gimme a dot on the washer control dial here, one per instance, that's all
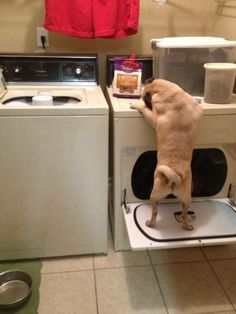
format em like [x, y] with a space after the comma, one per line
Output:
[78, 71]
[81, 71]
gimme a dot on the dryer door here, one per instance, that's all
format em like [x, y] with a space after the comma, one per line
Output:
[214, 222]
[213, 215]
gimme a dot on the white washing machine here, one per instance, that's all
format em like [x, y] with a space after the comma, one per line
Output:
[54, 157]
[133, 161]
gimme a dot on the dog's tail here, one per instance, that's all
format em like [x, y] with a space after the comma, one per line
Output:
[171, 175]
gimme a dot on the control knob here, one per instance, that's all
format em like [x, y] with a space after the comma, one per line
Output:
[78, 71]
[16, 70]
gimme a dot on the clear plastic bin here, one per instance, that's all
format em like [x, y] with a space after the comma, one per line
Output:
[181, 59]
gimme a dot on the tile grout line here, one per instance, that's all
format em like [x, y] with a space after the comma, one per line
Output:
[95, 285]
[67, 271]
[158, 283]
[218, 279]
[150, 264]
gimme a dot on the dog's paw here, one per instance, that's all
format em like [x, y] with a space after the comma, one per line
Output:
[138, 106]
[180, 218]
[185, 221]
[187, 227]
[149, 224]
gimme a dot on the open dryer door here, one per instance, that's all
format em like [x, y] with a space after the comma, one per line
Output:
[215, 223]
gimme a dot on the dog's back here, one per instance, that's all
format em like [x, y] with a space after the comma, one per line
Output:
[177, 117]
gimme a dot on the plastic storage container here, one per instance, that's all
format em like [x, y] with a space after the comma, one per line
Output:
[219, 82]
[181, 59]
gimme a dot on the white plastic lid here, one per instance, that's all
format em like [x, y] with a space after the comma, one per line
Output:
[191, 42]
[220, 66]
[42, 100]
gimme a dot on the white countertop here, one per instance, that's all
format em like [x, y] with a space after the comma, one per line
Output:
[121, 106]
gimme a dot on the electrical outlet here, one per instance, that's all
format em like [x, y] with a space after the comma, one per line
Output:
[41, 31]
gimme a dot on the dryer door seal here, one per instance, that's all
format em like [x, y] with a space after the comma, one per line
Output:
[215, 224]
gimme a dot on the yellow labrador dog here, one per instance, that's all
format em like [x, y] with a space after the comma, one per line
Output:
[175, 116]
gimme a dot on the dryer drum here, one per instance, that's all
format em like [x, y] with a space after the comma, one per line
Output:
[209, 173]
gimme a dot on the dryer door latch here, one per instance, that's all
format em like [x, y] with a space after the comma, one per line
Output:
[231, 194]
[123, 202]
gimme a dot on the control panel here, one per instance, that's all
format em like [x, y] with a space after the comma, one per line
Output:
[22, 68]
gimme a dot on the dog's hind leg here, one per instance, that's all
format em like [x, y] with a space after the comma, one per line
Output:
[158, 192]
[185, 195]
[151, 223]
[186, 218]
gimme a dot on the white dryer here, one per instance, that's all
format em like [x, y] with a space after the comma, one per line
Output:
[53, 169]
[132, 164]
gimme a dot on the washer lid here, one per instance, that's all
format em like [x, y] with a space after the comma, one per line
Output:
[68, 100]
[215, 223]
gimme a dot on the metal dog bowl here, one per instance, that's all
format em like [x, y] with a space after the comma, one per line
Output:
[15, 288]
